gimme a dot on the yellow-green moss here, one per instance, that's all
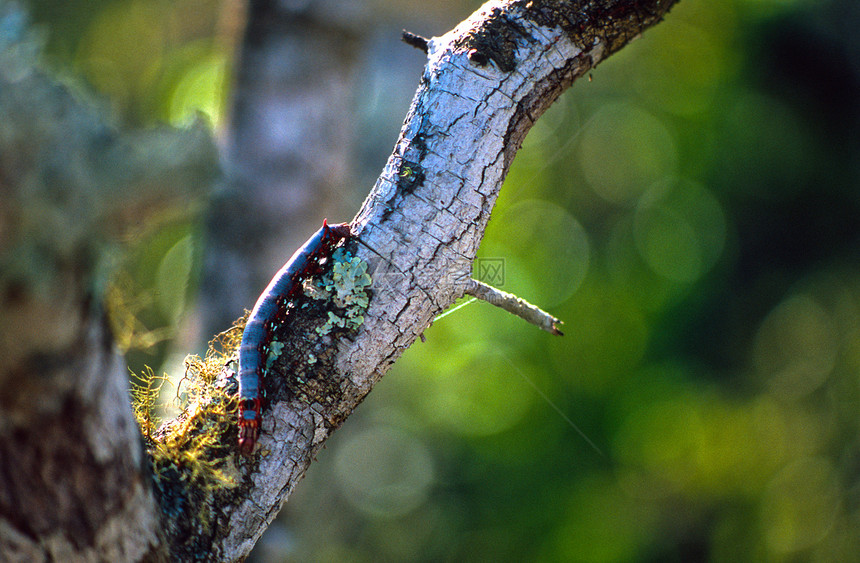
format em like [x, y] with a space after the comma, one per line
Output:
[192, 455]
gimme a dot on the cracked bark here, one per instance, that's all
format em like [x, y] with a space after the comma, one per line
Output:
[484, 85]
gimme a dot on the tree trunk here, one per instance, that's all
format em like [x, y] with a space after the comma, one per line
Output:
[288, 144]
[73, 479]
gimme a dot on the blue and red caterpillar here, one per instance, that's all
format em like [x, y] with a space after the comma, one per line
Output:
[267, 315]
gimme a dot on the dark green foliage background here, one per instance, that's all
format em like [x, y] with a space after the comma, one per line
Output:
[691, 214]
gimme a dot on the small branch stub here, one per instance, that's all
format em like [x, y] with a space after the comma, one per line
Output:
[515, 305]
[415, 40]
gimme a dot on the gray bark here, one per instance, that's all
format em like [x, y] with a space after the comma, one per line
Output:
[484, 85]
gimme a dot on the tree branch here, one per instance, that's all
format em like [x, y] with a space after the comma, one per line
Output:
[514, 305]
[484, 85]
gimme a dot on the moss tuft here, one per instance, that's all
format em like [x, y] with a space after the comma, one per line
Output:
[191, 455]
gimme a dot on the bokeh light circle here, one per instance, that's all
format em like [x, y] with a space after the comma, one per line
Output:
[800, 504]
[795, 348]
[679, 230]
[477, 391]
[201, 89]
[623, 150]
[384, 471]
[545, 252]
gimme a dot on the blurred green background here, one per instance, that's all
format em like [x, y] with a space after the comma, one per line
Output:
[691, 213]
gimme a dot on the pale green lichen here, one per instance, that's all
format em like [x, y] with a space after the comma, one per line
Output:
[346, 286]
[332, 322]
[276, 348]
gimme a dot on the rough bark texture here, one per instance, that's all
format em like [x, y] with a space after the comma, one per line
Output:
[484, 85]
[72, 485]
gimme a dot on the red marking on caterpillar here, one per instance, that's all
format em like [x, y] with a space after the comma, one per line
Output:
[267, 315]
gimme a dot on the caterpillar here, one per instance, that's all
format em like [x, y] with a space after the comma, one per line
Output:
[268, 314]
